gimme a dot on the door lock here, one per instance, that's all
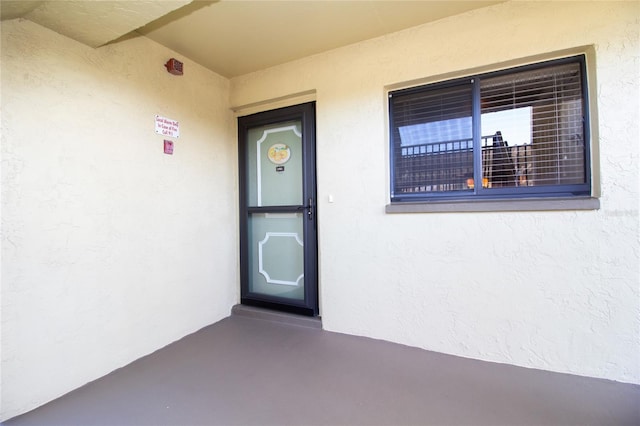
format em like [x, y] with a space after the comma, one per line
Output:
[309, 208]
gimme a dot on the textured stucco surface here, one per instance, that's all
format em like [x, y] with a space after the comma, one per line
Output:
[110, 248]
[95, 23]
[555, 290]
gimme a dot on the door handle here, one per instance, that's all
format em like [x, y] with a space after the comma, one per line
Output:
[309, 208]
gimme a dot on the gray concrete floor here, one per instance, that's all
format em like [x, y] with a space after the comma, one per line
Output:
[247, 370]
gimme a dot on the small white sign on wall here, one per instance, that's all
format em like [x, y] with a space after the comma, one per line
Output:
[167, 127]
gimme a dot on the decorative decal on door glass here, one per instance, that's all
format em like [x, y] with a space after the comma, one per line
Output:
[279, 153]
[280, 242]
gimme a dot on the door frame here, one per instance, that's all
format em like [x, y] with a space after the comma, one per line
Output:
[306, 114]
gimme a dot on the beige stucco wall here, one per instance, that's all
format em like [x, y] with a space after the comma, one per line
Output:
[110, 248]
[555, 290]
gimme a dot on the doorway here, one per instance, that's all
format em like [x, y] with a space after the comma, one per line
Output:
[278, 214]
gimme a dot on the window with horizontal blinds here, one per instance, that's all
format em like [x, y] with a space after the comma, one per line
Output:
[546, 147]
[513, 133]
[435, 149]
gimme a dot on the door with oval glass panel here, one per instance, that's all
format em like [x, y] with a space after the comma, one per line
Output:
[278, 232]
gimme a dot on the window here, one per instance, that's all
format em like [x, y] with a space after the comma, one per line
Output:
[517, 133]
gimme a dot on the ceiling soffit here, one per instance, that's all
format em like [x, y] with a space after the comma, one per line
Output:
[235, 37]
[90, 22]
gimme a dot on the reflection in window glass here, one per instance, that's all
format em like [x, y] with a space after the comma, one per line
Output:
[531, 135]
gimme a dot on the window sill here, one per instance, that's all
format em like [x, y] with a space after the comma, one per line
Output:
[528, 204]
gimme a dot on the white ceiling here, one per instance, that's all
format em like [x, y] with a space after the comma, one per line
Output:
[235, 37]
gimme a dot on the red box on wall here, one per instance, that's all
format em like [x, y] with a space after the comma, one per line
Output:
[174, 66]
[168, 147]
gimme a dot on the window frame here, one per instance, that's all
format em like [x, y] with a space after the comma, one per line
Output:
[489, 198]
